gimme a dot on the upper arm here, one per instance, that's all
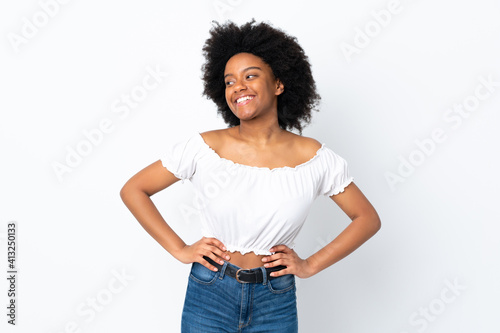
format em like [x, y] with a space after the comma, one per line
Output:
[354, 203]
[150, 180]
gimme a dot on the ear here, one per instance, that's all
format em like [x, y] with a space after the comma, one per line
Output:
[280, 87]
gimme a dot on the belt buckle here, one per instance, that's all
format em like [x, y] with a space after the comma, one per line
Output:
[236, 276]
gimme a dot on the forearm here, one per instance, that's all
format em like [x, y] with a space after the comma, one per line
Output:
[144, 210]
[357, 232]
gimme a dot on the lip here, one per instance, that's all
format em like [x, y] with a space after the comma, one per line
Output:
[244, 102]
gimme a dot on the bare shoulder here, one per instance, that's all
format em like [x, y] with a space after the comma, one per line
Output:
[307, 145]
[311, 143]
[212, 133]
[214, 138]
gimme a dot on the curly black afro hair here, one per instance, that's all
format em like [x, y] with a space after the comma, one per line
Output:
[280, 51]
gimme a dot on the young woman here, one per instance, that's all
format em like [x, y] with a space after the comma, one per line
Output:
[254, 182]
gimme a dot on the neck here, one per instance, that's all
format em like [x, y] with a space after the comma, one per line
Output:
[259, 134]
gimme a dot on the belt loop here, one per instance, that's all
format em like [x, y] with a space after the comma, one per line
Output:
[264, 275]
[223, 270]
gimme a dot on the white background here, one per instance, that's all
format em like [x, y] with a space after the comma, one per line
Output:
[439, 222]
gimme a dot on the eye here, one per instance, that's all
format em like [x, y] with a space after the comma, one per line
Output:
[250, 76]
[228, 83]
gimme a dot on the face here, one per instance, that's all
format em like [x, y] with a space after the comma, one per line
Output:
[251, 88]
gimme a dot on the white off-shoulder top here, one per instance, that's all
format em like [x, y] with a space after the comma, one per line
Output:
[251, 208]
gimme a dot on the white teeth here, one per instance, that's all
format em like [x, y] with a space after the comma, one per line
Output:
[242, 99]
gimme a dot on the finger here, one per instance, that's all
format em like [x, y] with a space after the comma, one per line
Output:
[274, 257]
[213, 256]
[218, 248]
[209, 265]
[206, 250]
[276, 262]
[210, 246]
[279, 248]
[217, 243]
[219, 254]
[281, 272]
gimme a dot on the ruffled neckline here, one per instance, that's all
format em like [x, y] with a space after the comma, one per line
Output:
[283, 168]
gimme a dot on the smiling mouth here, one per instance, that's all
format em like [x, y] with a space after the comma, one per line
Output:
[244, 100]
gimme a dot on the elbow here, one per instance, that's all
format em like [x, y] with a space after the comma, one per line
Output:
[376, 223]
[371, 222]
[124, 192]
[129, 191]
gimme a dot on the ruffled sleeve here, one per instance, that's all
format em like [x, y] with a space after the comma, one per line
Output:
[336, 175]
[180, 156]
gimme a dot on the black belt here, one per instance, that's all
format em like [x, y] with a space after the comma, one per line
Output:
[245, 275]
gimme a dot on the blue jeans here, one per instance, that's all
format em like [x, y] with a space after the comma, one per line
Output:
[218, 303]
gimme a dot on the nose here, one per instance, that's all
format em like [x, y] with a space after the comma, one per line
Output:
[238, 86]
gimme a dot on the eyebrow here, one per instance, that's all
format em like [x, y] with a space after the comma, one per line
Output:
[246, 69]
